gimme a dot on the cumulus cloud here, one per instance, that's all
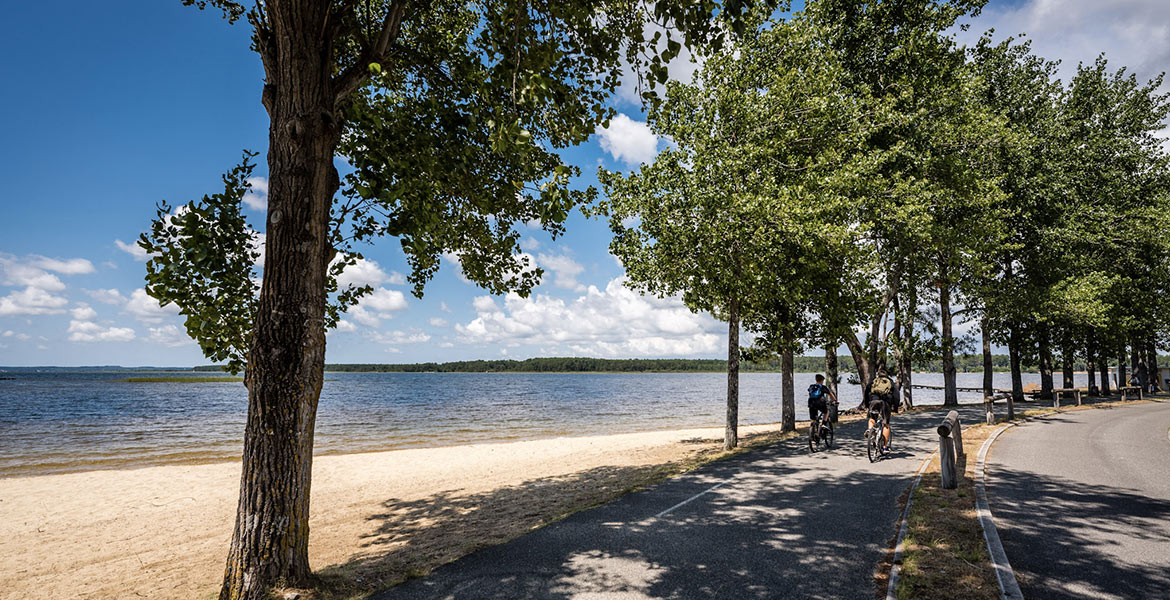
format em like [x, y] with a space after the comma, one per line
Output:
[87, 331]
[32, 301]
[110, 296]
[377, 305]
[69, 266]
[565, 270]
[628, 140]
[169, 335]
[1132, 33]
[23, 337]
[367, 272]
[344, 326]
[614, 322]
[256, 198]
[83, 312]
[147, 309]
[133, 249]
[25, 272]
[437, 322]
[397, 337]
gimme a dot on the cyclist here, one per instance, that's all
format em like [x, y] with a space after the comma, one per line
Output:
[819, 396]
[881, 399]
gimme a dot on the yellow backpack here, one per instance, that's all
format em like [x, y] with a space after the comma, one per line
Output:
[882, 385]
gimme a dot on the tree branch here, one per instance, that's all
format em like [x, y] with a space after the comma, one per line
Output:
[352, 78]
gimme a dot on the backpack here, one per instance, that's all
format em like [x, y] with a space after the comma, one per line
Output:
[816, 391]
[882, 386]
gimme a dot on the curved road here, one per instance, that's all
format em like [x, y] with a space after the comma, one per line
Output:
[1082, 502]
[772, 523]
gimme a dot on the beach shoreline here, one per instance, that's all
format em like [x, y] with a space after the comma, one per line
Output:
[163, 531]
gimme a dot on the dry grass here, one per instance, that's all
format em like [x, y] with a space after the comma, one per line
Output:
[422, 536]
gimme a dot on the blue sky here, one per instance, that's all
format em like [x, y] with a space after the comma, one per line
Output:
[152, 100]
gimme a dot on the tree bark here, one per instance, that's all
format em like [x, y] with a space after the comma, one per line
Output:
[286, 357]
[731, 432]
[864, 370]
[1103, 365]
[1135, 359]
[950, 393]
[1121, 368]
[831, 366]
[1045, 348]
[1066, 361]
[906, 364]
[988, 365]
[1152, 365]
[1017, 381]
[787, 390]
[1091, 367]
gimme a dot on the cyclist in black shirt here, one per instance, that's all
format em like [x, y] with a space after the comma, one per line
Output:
[819, 396]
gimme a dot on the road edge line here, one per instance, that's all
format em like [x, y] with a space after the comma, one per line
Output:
[1009, 588]
[896, 561]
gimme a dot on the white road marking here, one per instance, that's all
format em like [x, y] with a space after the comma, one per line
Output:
[696, 496]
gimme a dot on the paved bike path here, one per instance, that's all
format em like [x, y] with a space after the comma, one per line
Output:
[771, 523]
[1082, 502]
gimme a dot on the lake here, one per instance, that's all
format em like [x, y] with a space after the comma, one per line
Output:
[60, 421]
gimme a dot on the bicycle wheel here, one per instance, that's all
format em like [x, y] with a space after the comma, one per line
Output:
[827, 434]
[812, 436]
[872, 444]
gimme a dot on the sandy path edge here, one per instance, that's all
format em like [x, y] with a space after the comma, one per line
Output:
[162, 532]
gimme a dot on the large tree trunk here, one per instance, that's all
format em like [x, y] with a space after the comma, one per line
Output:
[287, 353]
[950, 393]
[1091, 367]
[1121, 368]
[988, 365]
[1103, 365]
[731, 431]
[1135, 360]
[831, 366]
[787, 390]
[864, 369]
[906, 364]
[1152, 365]
[1045, 347]
[1066, 361]
[1017, 381]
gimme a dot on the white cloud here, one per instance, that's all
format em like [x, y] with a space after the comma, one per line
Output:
[1132, 33]
[23, 337]
[110, 296]
[32, 301]
[616, 322]
[133, 249]
[24, 273]
[257, 197]
[565, 270]
[169, 335]
[365, 317]
[384, 301]
[366, 272]
[628, 140]
[443, 307]
[345, 326]
[82, 312]
[147, 309]
[437, 322]
[69, 266]
[86, 331]
[397, 337]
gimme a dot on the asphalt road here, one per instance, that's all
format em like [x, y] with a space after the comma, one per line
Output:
[1082, 503]
[773, 523]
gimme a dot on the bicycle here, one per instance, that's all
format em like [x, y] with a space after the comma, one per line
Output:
[873, 438]
[820, 430]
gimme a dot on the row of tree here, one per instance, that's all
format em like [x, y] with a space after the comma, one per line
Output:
[853, 175]
[848, 166]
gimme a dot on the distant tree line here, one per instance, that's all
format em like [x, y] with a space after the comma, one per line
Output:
[965, 363]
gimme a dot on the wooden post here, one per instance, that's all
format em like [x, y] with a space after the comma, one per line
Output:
[946, 457]
[950, 440]
[1077, 393]
[1140, 395]
[989, 409]
[1055, 399]
[1123, 396]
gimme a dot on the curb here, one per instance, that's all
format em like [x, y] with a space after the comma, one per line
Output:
[896, 561]
[1008, 587]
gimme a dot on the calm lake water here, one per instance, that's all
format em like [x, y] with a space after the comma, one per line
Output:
[72, 421]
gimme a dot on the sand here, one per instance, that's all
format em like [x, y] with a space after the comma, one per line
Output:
[162, 532]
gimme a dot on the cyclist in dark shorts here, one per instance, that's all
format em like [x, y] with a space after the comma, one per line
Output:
[881, 399]
[819, 396]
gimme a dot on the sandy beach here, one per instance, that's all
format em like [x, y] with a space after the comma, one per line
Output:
[162, 532]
